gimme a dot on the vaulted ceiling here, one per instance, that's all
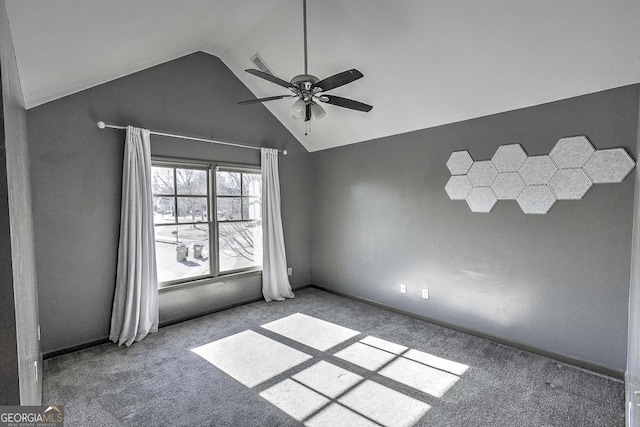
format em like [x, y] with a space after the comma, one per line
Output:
[426, 62]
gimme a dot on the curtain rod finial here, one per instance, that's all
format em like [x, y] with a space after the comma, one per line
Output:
[101, 125]
[284, 152]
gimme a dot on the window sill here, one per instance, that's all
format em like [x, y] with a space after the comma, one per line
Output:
[209, 280]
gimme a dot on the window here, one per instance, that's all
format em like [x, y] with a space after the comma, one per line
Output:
[238, 219]
[192, 244]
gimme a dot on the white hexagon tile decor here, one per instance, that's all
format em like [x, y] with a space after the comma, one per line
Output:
[537, 170]
[508, 158]
[570, 184]
[536, 182]
[609, 166]
[507, 185]
[536, 199]
[481, 199]
[572, 152]
[482, 174]
[459, 162]
[458, 187]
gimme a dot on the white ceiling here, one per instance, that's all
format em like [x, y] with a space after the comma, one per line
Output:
[425, 62]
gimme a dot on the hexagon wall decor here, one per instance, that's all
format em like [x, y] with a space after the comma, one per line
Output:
[570, 184]
[481, 199]
[507, 185]
[482, 174]
[536, 199]
[609, 166]
[572, 152]
[572, 167]
[458, 187]
[508, 158]
[459, 162]
[537, 170]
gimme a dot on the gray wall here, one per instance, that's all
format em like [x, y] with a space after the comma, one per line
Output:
[76, 176]
[9, 392]
[19, 343]
[557, 282]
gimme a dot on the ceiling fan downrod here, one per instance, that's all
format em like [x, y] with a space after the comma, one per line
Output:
[305, 81]
[304, 25]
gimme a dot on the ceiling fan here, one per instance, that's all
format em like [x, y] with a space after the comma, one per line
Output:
[309, 89]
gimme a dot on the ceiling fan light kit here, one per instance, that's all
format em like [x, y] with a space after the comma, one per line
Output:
[309, 89]
[299, 111]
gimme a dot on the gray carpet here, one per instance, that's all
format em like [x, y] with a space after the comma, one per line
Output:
[161, 382]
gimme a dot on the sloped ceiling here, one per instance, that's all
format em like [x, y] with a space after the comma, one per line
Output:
[426, 62]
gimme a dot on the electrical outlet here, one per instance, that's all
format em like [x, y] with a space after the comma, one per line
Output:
[289, 271]
[425, 293]
[403, 288]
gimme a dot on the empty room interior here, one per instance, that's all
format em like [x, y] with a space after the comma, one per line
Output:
[320, 212]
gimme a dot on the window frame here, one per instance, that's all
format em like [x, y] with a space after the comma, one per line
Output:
[242, 169]
[212, 214]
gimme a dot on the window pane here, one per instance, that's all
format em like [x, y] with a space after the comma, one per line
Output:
[182, 251]
[162, 180]
[164, 210]
[240, 245]
[191, 181]
[228, 183]
[251, 208]
[251, 184]
[192, 209]
[229, 208]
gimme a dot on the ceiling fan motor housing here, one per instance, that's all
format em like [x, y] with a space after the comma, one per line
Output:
[305, 84]
[304, 81]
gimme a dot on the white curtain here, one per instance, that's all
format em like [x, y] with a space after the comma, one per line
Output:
[135, 305]
[632, 375]
[275, 282]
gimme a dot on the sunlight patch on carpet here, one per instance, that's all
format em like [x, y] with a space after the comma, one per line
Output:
[336, 415]
[334, 394]
[315, 333]
[421, 377]
[384, 405]
[384, 345]
[295, 399]
[437, 362]
[250, 358]
[365, 356]
[327, 378]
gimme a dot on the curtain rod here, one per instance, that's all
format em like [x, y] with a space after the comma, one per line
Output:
[103, 125]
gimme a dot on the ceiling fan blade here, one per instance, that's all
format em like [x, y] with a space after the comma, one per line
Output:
[270, 98]
[270, 77]
[338, 80]
[345, 103]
